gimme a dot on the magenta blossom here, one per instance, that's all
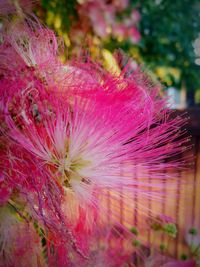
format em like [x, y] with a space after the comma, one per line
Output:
[74, 133]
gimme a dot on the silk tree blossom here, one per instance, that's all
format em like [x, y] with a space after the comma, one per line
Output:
[84, 144]
[75, 132]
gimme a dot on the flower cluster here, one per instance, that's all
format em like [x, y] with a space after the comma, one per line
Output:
[106, 20]
[69, 135]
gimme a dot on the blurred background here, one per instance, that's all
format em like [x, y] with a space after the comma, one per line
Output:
[163, 37]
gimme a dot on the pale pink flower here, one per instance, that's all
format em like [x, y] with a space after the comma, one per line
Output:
[135, 16]
[134, 35]
[102, 18]
[120, 4]
[27, 39]
[120, 30]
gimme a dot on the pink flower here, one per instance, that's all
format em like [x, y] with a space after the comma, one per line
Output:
[76, 132]
[135, 16]
[165, 219]
[98, 21]
[120, 5]
[120, 30]
[134, 35]
[32, 48]
[102, 18]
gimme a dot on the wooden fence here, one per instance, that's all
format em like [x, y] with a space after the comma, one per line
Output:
[183, 207]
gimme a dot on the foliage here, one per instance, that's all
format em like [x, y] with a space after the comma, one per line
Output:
[92, 25]
[65, 10]
[168, 29]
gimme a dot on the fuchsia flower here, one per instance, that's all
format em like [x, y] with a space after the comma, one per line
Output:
[75, 132]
